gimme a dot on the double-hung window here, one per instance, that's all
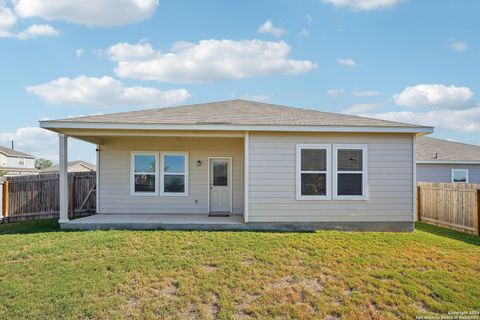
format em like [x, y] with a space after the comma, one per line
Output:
[331, 171]
[174, 174]
[144, 173]
[349, 172]
[313, 175]
[21, 161]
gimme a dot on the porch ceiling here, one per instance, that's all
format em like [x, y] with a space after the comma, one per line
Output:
[98, 136]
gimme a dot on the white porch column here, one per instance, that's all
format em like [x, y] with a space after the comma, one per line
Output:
[63, 182]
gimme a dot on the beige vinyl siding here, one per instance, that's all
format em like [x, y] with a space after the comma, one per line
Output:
[12, 162]
[443, 172]
[115, 157]
[272, 179]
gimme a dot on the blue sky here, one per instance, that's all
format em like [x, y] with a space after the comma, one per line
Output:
[405, 60]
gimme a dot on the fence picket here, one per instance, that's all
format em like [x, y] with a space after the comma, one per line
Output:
[35, 197]
[451, 205]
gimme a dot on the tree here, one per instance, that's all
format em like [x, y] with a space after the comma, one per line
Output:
[42, 163]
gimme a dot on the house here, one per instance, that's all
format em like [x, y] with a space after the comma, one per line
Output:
[14, 162]
[447, 161]
[245, 165]
[73, 166]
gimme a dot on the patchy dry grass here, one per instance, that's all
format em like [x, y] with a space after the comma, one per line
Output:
[46, 273]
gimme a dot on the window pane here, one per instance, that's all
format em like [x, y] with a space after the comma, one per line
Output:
[144, 163]
[459, 176]
[349, 184]
[174, 163]
[220, 173]
[314, 159]
[350, 160]
[144, 183]
[174, 183]
[314, 184]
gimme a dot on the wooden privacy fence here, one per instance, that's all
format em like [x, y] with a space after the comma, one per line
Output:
[451, 205]
[37, 197]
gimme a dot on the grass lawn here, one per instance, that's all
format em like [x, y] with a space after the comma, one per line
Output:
[46, 273]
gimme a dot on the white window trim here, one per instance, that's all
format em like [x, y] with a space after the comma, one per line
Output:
[299, 195]
[162, 174]
[459, 170]
[132, 174]
[364, 171]
[21, 164]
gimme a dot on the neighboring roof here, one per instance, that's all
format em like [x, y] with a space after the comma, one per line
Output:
[431, 150]
[16, 169]
[228, 115]
[14, 153]
[87, 165]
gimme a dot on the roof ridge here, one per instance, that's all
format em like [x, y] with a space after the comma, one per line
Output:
[15, 153]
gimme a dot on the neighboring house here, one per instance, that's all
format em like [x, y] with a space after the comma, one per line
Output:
[447, 161]
[16, 163]
[268, 166]
[73, 166]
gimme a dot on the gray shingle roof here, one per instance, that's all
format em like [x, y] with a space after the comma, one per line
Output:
[237, 112]
[86, 164]
[15, 153]
[445, 150]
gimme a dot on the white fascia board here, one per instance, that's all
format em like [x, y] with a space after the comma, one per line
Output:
[220, 127]
[448, 161]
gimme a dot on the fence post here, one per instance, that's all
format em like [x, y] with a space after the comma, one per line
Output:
[1, 199]
[419, 205]
[72, 194]
[476, 213]
[5, 200]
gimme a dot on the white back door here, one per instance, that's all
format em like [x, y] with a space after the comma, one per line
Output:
[220, 185]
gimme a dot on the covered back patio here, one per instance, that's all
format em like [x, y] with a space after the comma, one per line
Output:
[162, 179]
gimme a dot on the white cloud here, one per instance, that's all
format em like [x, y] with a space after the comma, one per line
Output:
[181, 45]
[124, 51]
[254, 97]
[467, 120]
[104, 92]
[363, 5]
[104, 13]
[36, 141]
[436, 96]
[7, 20]
[361, 108]
[304, 33]
[268, 27]
[42, 143]
[366, 93]
[37, 30]
[347, 62]
[335, 92]
[211, 60]
[458, 45]
[79, 52]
